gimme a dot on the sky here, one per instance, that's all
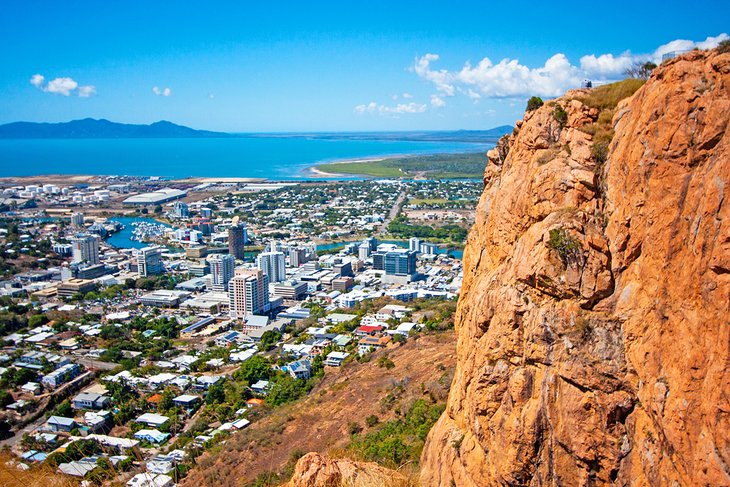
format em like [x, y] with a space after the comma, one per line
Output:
[298, 66]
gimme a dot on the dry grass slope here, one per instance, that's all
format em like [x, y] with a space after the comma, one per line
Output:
[321, 421]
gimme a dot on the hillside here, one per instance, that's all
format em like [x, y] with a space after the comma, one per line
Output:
[593, 321]
[321, 422]
[89, 128]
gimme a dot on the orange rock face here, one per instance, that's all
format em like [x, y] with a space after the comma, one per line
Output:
[315, 470]
[594, 321]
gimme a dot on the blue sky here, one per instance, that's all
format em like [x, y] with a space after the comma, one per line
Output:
[324, 66]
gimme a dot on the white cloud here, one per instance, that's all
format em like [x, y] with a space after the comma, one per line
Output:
[509, 78]
[161, 91]
[398, 109]
[606, 65]
[86, 91]
[407, 95]
[437, 101]
[685, 45]
[37, 80]
[62, 86]
[442, 79]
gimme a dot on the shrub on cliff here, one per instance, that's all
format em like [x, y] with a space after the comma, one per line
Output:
[723, 47]
[560, 115]
[534, 103]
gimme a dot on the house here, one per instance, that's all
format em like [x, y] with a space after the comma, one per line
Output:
[368, 330]
[148, 479]
[261, 387]
[318, 345]
[187, 402]
[96, 421]
[31, 388]
[205, 381]
[370, 343]
[152, 419]
[60, 423]
[152, 436]
[34, 456]
[90, 400]
[299, 369]
[240, 424]
[161, 464]
[61, 375]
[403, 329]
[341, 341]
[228, 339]
[79, 468]
[335, 359]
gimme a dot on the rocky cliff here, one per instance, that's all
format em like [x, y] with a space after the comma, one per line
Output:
[594, 321]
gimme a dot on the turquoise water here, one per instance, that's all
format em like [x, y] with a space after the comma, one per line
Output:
[123, 238]
[260, 157]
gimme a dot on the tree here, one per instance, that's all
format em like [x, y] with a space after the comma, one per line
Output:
[37, 320]
[534, 103]
[269, 339]
[216, 394]
[640, 70]
[5, 398]
[253, 369]
[724, 46]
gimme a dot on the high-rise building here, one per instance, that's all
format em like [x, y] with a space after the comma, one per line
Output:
[222, 267]
[429, 248]
[414, 244]
[297, 256]
[149, 261]
[400, 262]
[248, 293]
[180, 210]
[273, 264]
[363, 251]
[372, 242]
[77, 220]
[237, 239]
[378, 260]
[85, 248]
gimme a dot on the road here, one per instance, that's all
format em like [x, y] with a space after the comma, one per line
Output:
[394, 211]
[93, 364]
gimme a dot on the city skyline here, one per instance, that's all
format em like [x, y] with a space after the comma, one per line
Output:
[291, 67]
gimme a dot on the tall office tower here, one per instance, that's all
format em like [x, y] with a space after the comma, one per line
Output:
[77, 220]
[248, 293]
[149, 261]
[180, 210]
[363, 251]
[273, 264]
[222, 268]
[414, 244]
[237, 239]
[378, 260]
[297, 256]
[372, 242]
[400, 262]
[85, 248]
[429, 248]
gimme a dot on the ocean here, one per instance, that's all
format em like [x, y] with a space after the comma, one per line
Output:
[278, 158]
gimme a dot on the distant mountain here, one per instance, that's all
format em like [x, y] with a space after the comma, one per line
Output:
[90, 128]
[490, 135]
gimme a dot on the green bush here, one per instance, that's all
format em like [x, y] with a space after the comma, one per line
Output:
[534, 103]
[562, 242]
[560, 115]
[724, 47]
[399, 441]
[599, 152]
